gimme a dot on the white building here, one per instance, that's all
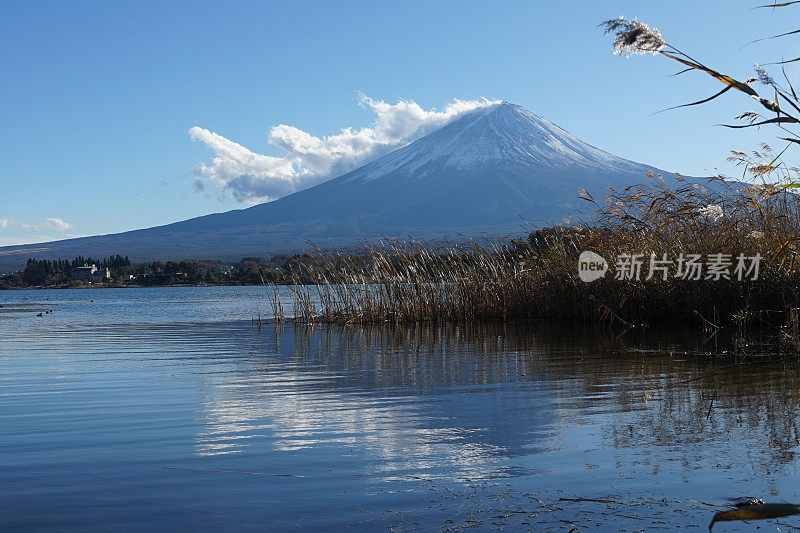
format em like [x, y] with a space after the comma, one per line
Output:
[91, 273]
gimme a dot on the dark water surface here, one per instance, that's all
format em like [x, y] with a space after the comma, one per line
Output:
[167, 409]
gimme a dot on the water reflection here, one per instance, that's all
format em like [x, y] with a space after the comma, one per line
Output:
[475, 398]
[416, 400]
[446, 424]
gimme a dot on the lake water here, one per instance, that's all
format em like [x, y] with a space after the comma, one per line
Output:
[167, 408]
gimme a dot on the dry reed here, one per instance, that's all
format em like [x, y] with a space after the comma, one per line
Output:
[410, 281]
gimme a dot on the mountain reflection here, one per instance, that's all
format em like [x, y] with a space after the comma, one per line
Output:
[477, 401]
[416, 399]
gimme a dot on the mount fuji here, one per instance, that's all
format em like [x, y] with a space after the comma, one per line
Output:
[495, 170]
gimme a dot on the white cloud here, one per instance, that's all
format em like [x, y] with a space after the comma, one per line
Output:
[52, 223]
[5, 222]
[58, 225]
[309, 160]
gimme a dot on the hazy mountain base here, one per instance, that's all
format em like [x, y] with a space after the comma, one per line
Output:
[340, 216]
[493, 171]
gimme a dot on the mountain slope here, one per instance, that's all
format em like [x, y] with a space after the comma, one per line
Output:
[490, 171]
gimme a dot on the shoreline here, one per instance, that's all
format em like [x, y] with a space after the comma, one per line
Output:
[123, 286]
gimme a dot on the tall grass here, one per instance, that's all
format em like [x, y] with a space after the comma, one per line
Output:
[402, 281]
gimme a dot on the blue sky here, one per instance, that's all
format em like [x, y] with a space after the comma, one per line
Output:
[97, 98]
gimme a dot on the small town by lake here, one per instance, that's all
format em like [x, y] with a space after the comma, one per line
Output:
[169, 408]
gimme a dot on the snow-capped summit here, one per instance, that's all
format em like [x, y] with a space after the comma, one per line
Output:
[495, 170]
[503, 134]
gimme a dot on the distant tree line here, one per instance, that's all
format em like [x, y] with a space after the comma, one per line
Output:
[248, 271]
[47, 272]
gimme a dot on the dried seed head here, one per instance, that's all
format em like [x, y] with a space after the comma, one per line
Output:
[634, 37]
[761, 192]
[763, 77]
[713, 212]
